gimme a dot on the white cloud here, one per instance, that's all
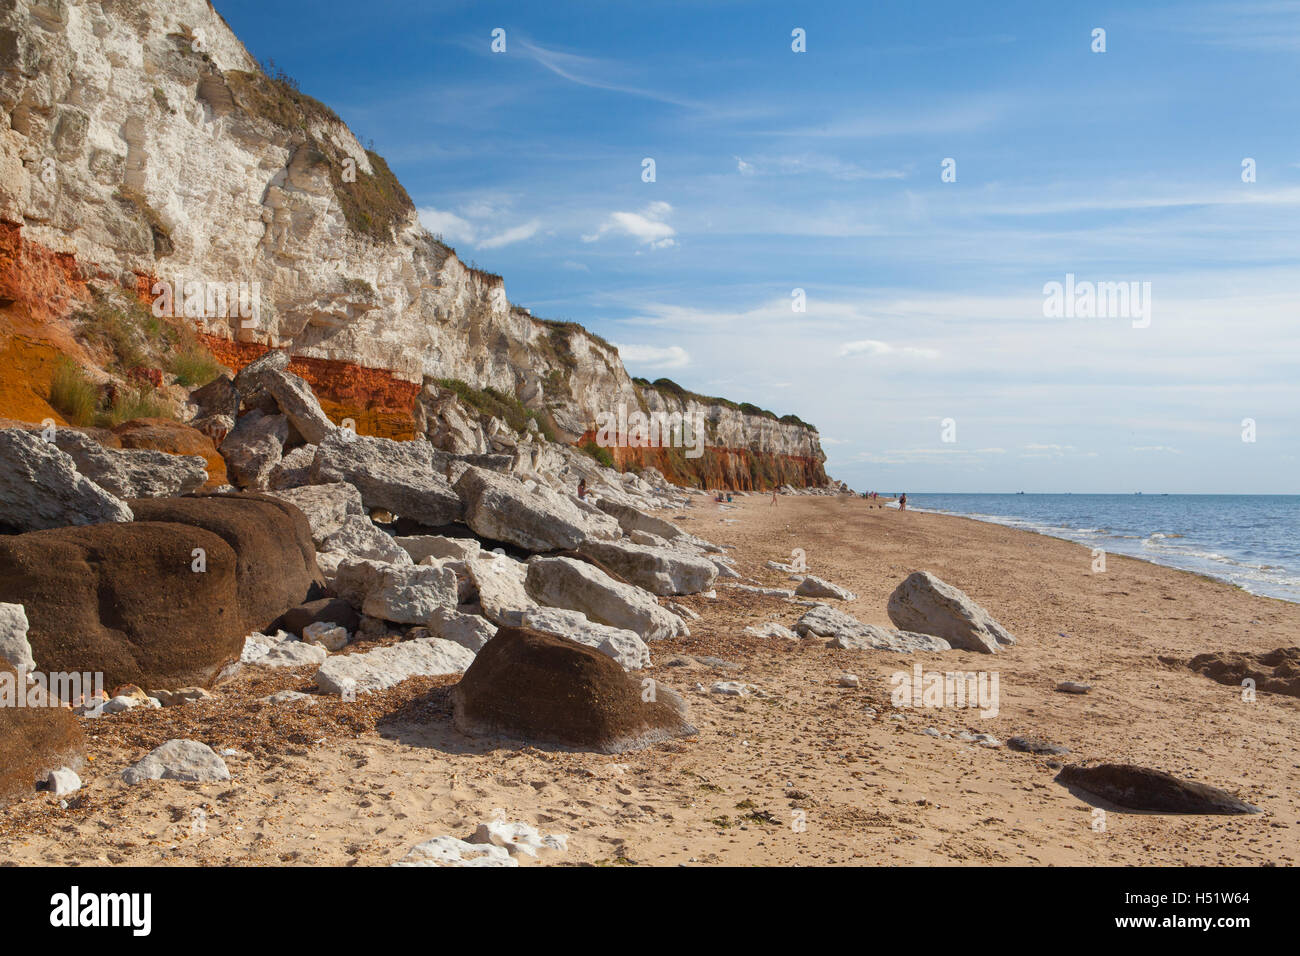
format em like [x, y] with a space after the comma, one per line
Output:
[742, 167]
[876, 347]
[471, 229]
[647, 226]
[653, 356]
[450, 226]
[514, 234]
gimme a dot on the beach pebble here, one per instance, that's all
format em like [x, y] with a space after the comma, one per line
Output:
[286, 697]
[517, 838]
[449, 851]
[1073, 687]
[815, 587]
[849, 680]
[1035, 745]
[771, 629]
[179, 760]
[732, 688]
[62, 782]
[326, 634]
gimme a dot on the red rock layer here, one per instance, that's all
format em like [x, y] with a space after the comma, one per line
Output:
[735, 469]
[38, 288]
[376, 400]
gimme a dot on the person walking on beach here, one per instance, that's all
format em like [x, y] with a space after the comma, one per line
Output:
[773, 504]
[902, 501]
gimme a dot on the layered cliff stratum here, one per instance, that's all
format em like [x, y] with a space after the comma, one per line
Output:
[143, 147]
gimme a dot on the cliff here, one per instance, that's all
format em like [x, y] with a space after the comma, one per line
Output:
[144, 147]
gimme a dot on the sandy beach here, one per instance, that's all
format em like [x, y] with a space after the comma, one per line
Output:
[801, 772]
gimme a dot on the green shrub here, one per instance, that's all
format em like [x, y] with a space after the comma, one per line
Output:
[131, 403]
[603, 455]
[193, 366]
[73, 395]
[497, 404]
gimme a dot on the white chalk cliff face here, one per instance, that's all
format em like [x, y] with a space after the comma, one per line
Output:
[140, 137]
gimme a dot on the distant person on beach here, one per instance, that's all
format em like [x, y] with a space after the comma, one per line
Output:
[582, 487]
[773, 505]
[902, 501]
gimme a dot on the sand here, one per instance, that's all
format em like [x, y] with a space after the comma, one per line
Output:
[799, 773]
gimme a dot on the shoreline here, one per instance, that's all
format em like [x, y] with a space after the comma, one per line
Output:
[360, 784]
[1110, 551]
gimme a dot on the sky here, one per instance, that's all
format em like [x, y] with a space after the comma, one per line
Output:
[921, 171]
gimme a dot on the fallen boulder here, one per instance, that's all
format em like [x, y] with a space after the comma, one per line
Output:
[470, 631]
[132, 472]
[1139, 788]
[500, 583]
[298, 403]
[125, 600]
[326, 506]
[501, 508]
[545, 689]
[276, 567]
[847, 632]
[578, 586]
[388, 666]
[396, 476]
[41, 488]
[254, 447]
[628, 650]
[926, 605]
[174, 438]
[631, 519]
[281, 649]
[357, 537]
[659, 570]
[294, 469]
[402, 593]
[14, 647]
[421, 546]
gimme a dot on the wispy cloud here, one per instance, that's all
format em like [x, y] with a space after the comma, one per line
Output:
[456, 229]
[595, 73]
[654, 356]
[876, 347]
[647, 226]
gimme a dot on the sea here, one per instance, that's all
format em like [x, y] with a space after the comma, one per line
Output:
[1252, 541]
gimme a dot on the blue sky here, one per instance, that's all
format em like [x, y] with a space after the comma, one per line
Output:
[821, 171]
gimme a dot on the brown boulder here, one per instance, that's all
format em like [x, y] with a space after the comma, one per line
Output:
[276, 567]
[334, 610]
[33, 741]
[545, 689]
[122, 599]
[161, 434]
[1140, 788]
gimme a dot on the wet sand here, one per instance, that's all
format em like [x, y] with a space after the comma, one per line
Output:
[800, 773]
